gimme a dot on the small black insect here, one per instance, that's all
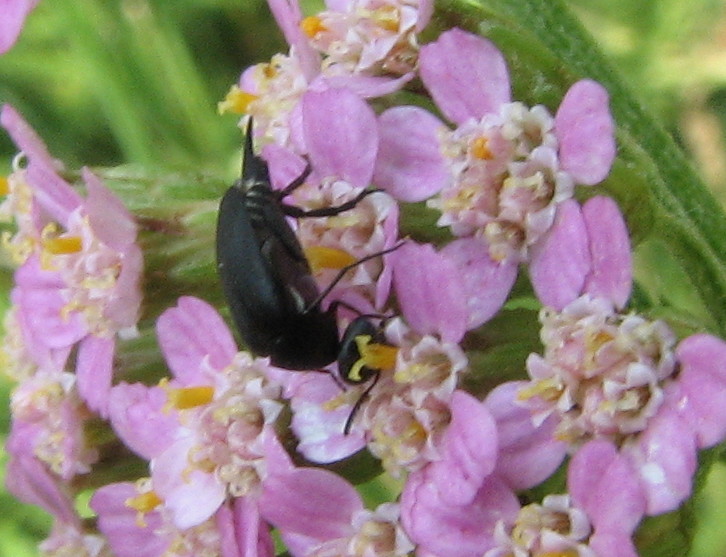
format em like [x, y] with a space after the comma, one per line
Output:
[273, 298]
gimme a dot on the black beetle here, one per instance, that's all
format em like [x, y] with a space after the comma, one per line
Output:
[267, 282]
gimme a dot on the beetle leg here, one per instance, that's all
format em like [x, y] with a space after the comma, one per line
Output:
[297, 212]
[359, 403]
[295, 184]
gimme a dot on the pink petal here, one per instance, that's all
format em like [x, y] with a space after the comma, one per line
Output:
[615, 544]
[665, 457]
[448, 530]
[469, 450]
[311, 502]
[364, 86]
[111, 222]
[585, 130]
[410, 165]
[12, 18]
[466, 75]
[22, 134]
[528, 455]
[191, 332]
[703, 382]
[138, 417]
[94, 369]
[341, 135]
[119, 524]
[242, 531]
[430, 291]
[425, 11]
[285, 166]
[605, 484]
[54, 195]
[288, 16]
[190, 495]
[560, 261]
[611, 275]
[123, 308]
[487, 282]
[31, 482]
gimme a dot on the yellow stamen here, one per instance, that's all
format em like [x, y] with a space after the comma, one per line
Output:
[312, 25]
[321, 257]
[188, 397]
[375, 354]
[63, 245]
[143, 503]
[237, 101]
[548, 389]
[567, 553]
[387, 18]
[4, 186]
[480, 149]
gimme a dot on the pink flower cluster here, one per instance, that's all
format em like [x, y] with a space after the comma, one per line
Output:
[613, 395]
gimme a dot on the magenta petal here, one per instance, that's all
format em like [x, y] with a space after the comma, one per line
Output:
[454, 530]
[119, 523]
[466, 75]
[527, 454]
[585, 130]
[469, 450]
[665, 457]
[604, 483]
[341, 135]
[311, 502]
[430, 291]
[191, 332]
[611, 276]
[560, 261]
[487, 282]
[111, 221]
[12, 18]
[703, 382]
[410, 165]
[94, 369]
[137, 415]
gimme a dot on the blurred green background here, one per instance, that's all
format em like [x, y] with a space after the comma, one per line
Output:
[137, 82]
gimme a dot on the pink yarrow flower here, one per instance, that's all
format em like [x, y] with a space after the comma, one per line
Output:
[501, 173]
[610, 376]
[136, 524]
[79, 278]
[216, 442]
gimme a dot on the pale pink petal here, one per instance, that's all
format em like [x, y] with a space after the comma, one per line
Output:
[466, 75]
[487, 282]
[288, 16]
[111, 222]
[560, 261]
[585, 131]
[364, 86]
[22, 134]
[94, 370]
[190, 495]
[341, 135]
[311, 502]
[604, 483]
[123, 308]
[611, 275]
[410, 165]
[454, 530]
[430, 291]
[119, 523]
[425, 11]
[191, 332]
[613, 544]
[665, 457]
[242, 531]
[138, 417]
[469, 450]
[528, 455]
[53, 194]
[703, 383]
[12, 18]
[284, 165]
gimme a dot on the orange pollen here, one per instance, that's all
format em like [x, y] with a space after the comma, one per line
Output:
[189, 397]
[144, 502]
[480, 149]
[4, 186]
[63, 245]
[322, 257]
[237, 101]
[312, 25]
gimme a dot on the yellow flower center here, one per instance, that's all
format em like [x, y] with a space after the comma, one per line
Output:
[236, 102]
[186, 397]
[480, 149]
[321, 257]
[312, 25]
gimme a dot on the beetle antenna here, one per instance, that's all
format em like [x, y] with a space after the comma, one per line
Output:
[253, 167]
